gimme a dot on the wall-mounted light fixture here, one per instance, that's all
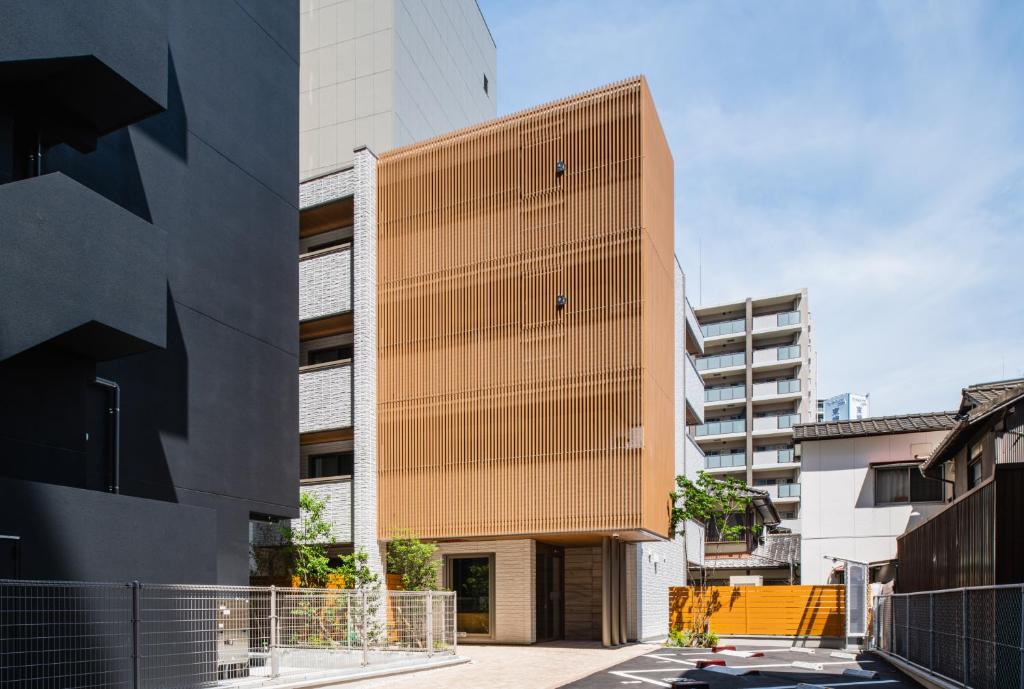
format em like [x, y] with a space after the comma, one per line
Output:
[560, 301]
[560, 168]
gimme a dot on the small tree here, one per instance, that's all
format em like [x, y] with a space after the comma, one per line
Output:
[307, 542]
[414, 561]
[713, 503]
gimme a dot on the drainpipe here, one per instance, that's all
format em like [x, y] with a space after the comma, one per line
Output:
[114, 410]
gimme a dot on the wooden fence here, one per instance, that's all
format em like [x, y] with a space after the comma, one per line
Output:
[762, 610]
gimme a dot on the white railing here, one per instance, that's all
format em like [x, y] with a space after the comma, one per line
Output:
[721, 427]
[706, 363]
[325, 397]
[325, 283]
[57, 634]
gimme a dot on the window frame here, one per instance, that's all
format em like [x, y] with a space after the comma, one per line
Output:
[878, 470]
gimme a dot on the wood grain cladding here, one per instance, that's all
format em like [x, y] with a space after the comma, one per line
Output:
[498, 412]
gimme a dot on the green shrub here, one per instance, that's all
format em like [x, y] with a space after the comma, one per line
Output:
[690, 638]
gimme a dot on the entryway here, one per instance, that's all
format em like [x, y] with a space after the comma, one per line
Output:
[550, 592]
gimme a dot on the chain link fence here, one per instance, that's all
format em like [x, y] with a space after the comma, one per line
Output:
[972, 636]
[74, 635]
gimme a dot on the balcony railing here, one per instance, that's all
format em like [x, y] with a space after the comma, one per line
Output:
[325, 397]
[781, 491]
[776, 354]
[336, 491]
[706, 363]
[776, 320]
[325, 283]
[774, 457]
[771, 423]
[721, 427]
[724, 328]
[776, 387]
[726, 460]
[789, 490]
[733, 392]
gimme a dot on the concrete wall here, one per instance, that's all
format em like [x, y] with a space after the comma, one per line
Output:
[838, 513]
[583, 593]
[385, 73]
[208, 418]
[515, 609]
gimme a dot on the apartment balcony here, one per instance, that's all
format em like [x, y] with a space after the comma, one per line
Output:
[336, 492]
[777, 390]
[777, 357]
[325, 397]
[718, 429]
[325, 283]
[694, 389]
[774, 459]
[777, 322]
[782, 492]
[728, 396]
[693, 457]
[693, 329]
[768, 425]
[724, 329]
[726, 463]
[733, 360]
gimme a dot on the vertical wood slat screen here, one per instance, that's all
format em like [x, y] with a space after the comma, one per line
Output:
[498, 412]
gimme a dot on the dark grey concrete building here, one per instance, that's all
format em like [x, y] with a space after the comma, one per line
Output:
[148, 285]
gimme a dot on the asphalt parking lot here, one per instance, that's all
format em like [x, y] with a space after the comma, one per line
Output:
[773, 669]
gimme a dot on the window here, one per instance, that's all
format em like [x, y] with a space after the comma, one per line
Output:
[905, 484]
[329, 354]
[327, 465]
[974, 466]
[472, 579]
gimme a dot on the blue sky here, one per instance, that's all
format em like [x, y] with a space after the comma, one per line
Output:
[872, 152]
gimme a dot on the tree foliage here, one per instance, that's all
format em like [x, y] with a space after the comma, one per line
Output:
[414, 561]
[307, 543]
[712, 502]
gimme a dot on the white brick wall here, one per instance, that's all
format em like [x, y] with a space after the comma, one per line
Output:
[515, 609]
[325, 398]
[325, 284]
[336, 493]
[330, 187]
[656, 567]
[364, 341]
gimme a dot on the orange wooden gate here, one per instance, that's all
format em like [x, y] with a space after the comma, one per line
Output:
[762, 610]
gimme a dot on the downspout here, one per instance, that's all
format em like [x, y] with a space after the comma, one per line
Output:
[114, 410]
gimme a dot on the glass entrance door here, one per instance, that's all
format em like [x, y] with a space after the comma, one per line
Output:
[472, 579]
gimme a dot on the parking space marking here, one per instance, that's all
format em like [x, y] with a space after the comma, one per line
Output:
[633, 675]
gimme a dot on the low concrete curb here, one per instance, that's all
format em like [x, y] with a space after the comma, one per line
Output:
[369, 674]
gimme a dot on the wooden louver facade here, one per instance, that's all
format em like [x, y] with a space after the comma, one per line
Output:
[502, 412]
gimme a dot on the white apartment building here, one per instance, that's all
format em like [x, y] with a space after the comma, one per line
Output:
[845, 407]
[759, 377]
[862, 488]
[385, 73]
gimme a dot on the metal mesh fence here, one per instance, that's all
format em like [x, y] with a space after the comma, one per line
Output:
[70, 635]
[972, 636]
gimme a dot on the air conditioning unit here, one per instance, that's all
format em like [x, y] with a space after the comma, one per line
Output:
[746, 581]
